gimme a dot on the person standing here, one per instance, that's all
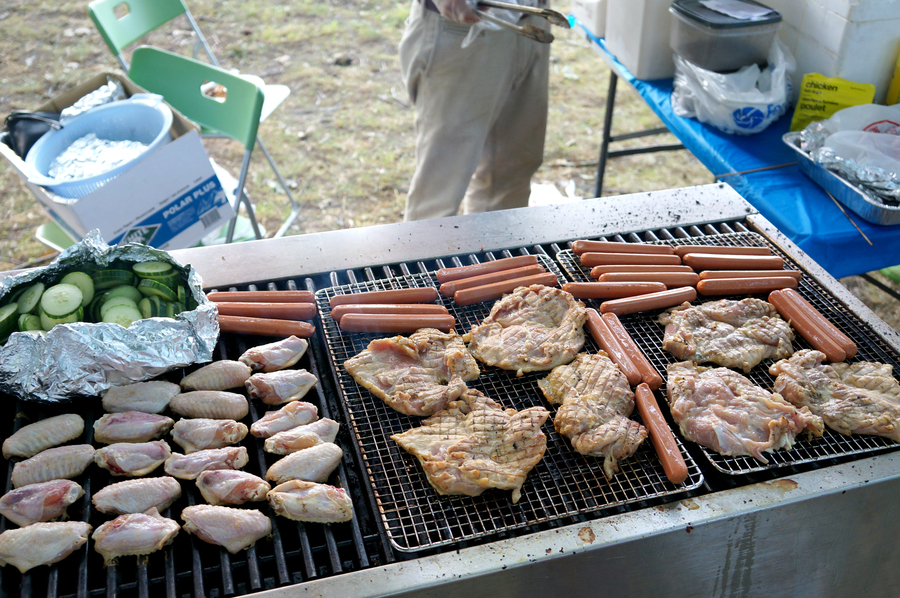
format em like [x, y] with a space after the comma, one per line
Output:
[481, 111]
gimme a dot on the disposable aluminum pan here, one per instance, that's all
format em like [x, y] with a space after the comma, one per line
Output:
[846, 193]
[84, 359]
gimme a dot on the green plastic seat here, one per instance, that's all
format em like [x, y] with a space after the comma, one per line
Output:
[180, 80]
[122, 23]
[54, 236]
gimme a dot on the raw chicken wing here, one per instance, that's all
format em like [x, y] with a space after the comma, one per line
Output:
[42, 543]
[275, 356]
[219, 375]
[198, 434]
[314, 464]
[296, 413]
[63, 462]
[229, 487]
[39, 502]
[188, 467]
[214, 404]
[134, 533]
[131, 426]
[277, 388]
[302, 437]
[235, 529]
[136, 496]
[149, 397]
[132, 459]
[41, 435]
[308, 501]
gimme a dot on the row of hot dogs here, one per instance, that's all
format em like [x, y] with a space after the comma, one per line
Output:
[266, 313]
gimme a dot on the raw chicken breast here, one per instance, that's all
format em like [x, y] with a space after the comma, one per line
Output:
[39, 502]
[277, 388]
[275, 356]
[219, 375]
[214, 404]
[302, 437]
[63, 462]
[235, 529]
[290, 416]
[149, 397]
[228, 487]
[136, 496]
[188, 467]
[134, 533]
[41, 435]
[132, 459]
[131, 426]
[311, 502]
[199, 434]
[42, 543]
[313, 464]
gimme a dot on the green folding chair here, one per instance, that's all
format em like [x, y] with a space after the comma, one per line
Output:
[181, 80]
[121, 23]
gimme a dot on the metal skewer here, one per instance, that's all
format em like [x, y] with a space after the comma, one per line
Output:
[529, 31]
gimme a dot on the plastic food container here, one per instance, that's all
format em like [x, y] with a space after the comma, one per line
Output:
[720, 42]
[143, 117]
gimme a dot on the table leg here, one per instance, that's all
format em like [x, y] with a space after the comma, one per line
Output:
[607, 131]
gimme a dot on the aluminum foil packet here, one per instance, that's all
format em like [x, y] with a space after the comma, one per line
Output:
[875, 183]
[104, 94]
[73, 361]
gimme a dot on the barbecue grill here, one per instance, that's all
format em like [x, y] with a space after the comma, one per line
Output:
[818, 520]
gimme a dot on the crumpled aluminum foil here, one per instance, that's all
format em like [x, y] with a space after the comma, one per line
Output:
[90, 156]
[877, 184]
[104, 94]
[85, 359]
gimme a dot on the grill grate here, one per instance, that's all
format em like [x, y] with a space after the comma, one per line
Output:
[562, 485]
[649, 335]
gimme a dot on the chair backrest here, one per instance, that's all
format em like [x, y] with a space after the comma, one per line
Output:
[181, 81]
[123, 22]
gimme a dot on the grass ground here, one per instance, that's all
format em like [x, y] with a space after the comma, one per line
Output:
[344, 137]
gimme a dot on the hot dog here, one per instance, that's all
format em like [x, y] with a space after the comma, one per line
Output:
[497, 289]
[263, 296]
[661, 435]
[712, 261]
[611, 290]
[266, 326]
[397, 323]
[597, 271]
[277, 311]
[634, 353]
[448, 288]
[382, 308]
[579, 247]
[745, 286]
[681, 250]
[415, 295]
[507, 263]
[670, 279]
[806, 326]
[604, 338]
[630, 305]
[821, 321]
[706, 274]
[591, 259]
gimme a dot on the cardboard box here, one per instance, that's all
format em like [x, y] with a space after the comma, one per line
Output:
[170, 200]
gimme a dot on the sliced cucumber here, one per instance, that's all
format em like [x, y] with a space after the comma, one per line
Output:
[153, 288]
[29, 322]
[61, 300]
[107, 279]
[157, 306]
[154, 269]
[83, 282]
[48, 322]
[9, 316]
[93, 310]
[170, 309]
[182, 294]
[126, 291]
[146, 307]
[30, 298]
[114, 301]
[123, 315]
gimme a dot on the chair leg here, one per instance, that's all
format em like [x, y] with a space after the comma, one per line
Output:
[239, 196]
[295, 207]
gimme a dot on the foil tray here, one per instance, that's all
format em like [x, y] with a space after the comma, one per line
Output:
[848, 194]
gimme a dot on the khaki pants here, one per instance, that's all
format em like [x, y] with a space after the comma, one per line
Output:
[481, 115]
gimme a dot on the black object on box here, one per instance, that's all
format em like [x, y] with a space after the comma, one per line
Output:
[25, 128]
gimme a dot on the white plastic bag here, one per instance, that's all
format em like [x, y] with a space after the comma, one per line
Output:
[867, 149]
[744, 102]
[873, 118]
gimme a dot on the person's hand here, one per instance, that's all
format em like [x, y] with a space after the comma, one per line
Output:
[457, 10]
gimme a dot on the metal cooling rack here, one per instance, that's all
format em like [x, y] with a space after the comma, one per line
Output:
[563, 484]
[870, 347]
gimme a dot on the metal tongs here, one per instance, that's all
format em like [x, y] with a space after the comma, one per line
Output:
[529, 31]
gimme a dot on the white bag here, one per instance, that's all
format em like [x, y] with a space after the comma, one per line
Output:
[744, 102]
[868, 150]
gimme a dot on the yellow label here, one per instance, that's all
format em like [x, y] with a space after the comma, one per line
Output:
[822, 96]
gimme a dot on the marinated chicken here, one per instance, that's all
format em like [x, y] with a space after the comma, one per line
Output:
[219, 375]
[132, 459]
[42, 543]
[39, 502]
[131, 426]
[62, 462]
[235, 529]
[230, 487]
[296, 413]
[31, 439]
[534, 328]
[474, 444]
[150, 397]
[313, 464]
[202, 433]
[851, 398]
[302, 437]
[415, 375]
[735, 334]
[134, 534]
[277, 388]
[595, 401]
[188, 467]
[136, 496]
[212, 404]
[311, 502]
[275, 356]
[724, 411]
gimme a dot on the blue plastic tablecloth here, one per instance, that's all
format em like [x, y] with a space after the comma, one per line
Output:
[785, 196]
